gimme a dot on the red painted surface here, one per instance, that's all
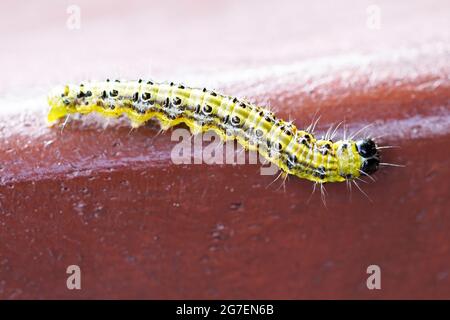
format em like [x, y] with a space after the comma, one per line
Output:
[139, 226]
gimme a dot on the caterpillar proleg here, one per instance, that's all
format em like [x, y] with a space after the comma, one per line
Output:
[296, 152]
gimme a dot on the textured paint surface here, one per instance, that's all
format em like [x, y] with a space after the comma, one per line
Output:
[110, 201]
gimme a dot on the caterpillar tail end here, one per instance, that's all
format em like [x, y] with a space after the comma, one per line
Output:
[55, 114]
[58, 109]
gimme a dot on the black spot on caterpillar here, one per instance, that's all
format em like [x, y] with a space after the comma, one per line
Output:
[294, 151]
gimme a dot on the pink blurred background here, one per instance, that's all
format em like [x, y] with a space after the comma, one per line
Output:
[184, 39]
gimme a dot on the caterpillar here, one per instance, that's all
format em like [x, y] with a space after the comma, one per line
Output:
[295, 152]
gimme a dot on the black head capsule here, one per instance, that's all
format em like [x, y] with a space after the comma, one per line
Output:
[367, 149]
[370, 165]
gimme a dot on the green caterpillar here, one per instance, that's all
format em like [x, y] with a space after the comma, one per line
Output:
[295, 152]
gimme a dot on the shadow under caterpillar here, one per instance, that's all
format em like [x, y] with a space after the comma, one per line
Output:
[296, 152]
